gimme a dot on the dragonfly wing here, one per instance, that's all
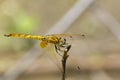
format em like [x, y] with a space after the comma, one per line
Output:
[70, 36]
[56, 59]
[44, 44]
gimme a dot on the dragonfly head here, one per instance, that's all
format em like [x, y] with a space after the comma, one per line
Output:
[62, 41]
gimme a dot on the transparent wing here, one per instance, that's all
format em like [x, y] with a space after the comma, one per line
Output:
[70, 36]
[56, 59]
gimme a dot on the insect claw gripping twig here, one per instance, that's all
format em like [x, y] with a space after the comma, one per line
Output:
[68, 47]
[56, 49]
[64, 59]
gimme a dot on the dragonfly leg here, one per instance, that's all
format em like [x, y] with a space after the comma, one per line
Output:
[68, 47]
[57, 49]
[61, 48]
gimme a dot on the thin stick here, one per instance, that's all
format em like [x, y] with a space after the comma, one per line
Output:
[64, 58]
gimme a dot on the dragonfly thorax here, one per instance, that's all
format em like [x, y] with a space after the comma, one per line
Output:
[52, 39]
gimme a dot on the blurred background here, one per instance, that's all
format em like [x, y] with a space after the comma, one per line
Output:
[96, 57]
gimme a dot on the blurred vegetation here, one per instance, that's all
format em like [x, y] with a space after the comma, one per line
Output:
[23, 23]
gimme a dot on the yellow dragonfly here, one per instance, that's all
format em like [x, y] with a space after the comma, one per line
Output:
[59, 40]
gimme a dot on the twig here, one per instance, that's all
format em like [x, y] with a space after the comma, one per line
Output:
[64, 58]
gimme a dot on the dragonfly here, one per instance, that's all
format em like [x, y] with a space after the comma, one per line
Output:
[59, 40]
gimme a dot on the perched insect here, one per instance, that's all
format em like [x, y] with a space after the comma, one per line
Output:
[59, 40]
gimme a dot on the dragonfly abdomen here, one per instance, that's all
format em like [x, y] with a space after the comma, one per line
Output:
[26, 36]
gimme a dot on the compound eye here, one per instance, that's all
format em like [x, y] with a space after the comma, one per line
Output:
[62, 41]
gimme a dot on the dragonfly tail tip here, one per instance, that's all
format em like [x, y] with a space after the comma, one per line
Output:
[7, 35]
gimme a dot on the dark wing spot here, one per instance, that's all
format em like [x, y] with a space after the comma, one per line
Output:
[70, 36]
[78, 67]
[83, 35]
